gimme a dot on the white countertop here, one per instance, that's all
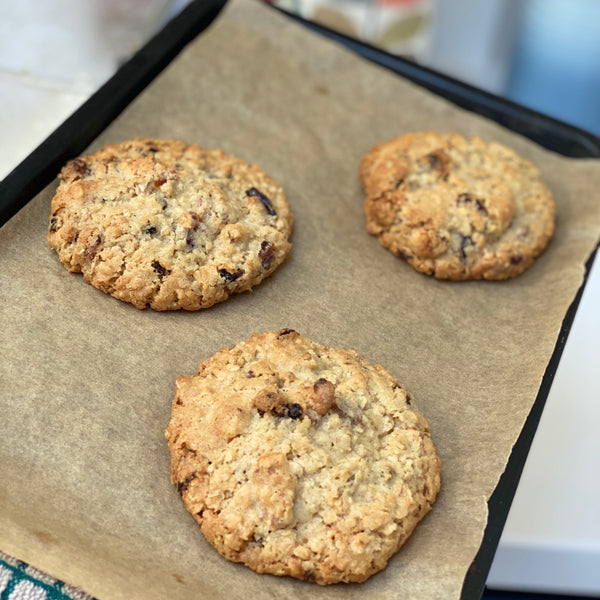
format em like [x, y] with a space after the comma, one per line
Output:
[50, 64]
[551, 540]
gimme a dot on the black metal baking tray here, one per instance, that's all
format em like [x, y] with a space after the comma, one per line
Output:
[79, 131]
[553, 135]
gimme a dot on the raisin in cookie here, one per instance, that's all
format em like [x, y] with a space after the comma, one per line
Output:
[301, 460]
[168, 225]
[457, 208]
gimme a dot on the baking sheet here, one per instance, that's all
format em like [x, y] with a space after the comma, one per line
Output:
[87, 381]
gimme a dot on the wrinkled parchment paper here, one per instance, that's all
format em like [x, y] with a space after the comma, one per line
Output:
[87, 381]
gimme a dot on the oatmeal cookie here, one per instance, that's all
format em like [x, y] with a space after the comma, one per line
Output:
[457, 208]
[301, 460]
[168, 225]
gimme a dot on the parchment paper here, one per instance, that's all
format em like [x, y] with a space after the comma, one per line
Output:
[87, 381]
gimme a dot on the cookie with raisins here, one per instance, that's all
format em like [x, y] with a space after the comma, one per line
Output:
[457, 208]
[168, 225]
[301, 460]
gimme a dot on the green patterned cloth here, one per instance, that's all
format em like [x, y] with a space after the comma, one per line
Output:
[19, 581]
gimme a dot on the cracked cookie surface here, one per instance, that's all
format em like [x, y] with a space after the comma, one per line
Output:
[301, 460]
[168, 225]
[457, 208]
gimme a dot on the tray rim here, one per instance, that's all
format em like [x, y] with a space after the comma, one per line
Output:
[79, 130]
[517, 117]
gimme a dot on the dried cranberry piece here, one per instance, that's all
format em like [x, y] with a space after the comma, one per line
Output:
[266, 254]
[264, 200]
[196, 218]
[91, 251]
[467, 198]
[465, 242]
[294, 411]
[149, 229]
[481, 207]
[190, 243]
[183, 485]
[227, 276]
[80, 167]
[437, 161]
[160, 269]
[515, 260]
[434, 161]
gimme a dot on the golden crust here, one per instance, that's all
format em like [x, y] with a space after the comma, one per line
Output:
[457, 208]
[301, 460]
[167, 225]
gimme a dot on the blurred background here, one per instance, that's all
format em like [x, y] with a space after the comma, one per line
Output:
[544, 54]
[541, 53]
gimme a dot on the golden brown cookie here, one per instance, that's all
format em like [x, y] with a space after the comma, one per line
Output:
[457, 208]
[301, 460]
[167, 225]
